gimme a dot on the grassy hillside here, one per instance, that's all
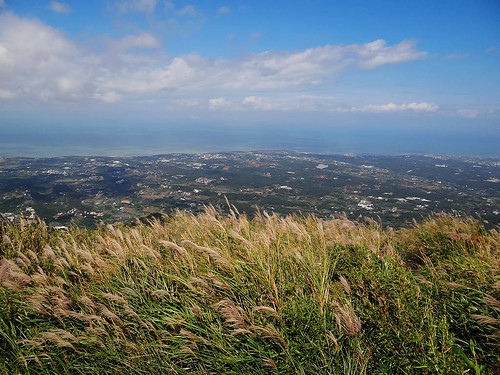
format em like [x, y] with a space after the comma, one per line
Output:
[224, 295]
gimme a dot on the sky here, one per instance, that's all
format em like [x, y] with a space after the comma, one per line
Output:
[303, 67]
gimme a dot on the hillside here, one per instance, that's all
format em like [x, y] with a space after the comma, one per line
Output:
[223, 294]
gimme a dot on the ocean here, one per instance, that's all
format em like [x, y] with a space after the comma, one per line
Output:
[130, 141]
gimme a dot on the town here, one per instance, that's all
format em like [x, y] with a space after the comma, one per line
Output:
[394, 190]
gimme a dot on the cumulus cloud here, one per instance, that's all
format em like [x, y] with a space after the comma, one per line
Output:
[377, 53]
[37, 61]
[273, 69]
[309, 103]
[216, 103]
[223, 10]
[59, 7]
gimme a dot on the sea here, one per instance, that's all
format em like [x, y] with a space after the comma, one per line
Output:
[142, 140]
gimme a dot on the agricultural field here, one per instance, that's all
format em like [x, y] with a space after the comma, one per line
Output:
[88, 191]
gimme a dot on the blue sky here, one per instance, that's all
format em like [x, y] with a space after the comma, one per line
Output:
[156, 63]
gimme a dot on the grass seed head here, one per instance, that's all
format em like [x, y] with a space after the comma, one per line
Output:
[266, 309]
[347, 320]
[493, 302]
[345, 284]
[485, 320]
[233, 315]
[269, 332]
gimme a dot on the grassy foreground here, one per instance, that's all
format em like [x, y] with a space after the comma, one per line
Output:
[222, 294]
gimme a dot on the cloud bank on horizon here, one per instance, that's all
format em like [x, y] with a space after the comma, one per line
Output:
[130, 51]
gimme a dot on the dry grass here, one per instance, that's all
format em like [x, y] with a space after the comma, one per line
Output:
[194, 294]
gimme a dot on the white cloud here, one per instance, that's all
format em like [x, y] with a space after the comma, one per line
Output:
[147, 6]
[391, 107]
[328, 103]
[216, 103]
[188, 10]
[263, 71]
[254, 102]
[108, 97]
[249, 103]
[277, 70]
[5, 94]
[468, 113]
[263, 104]
[175, 76]
[2, 3]
[39, 62]
[376, 53]
[59, 7]
[426, 107]
[223, 10]
[309, 103]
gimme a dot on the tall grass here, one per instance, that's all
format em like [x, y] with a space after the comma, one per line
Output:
[217, 293]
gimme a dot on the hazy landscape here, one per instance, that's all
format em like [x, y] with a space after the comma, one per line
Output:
[396, 190]
[249, 187]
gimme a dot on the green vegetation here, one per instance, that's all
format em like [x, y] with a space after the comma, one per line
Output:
[89, 191]
[220, 294]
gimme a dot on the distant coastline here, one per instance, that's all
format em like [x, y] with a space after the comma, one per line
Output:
[125, 142]
[42, 153]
